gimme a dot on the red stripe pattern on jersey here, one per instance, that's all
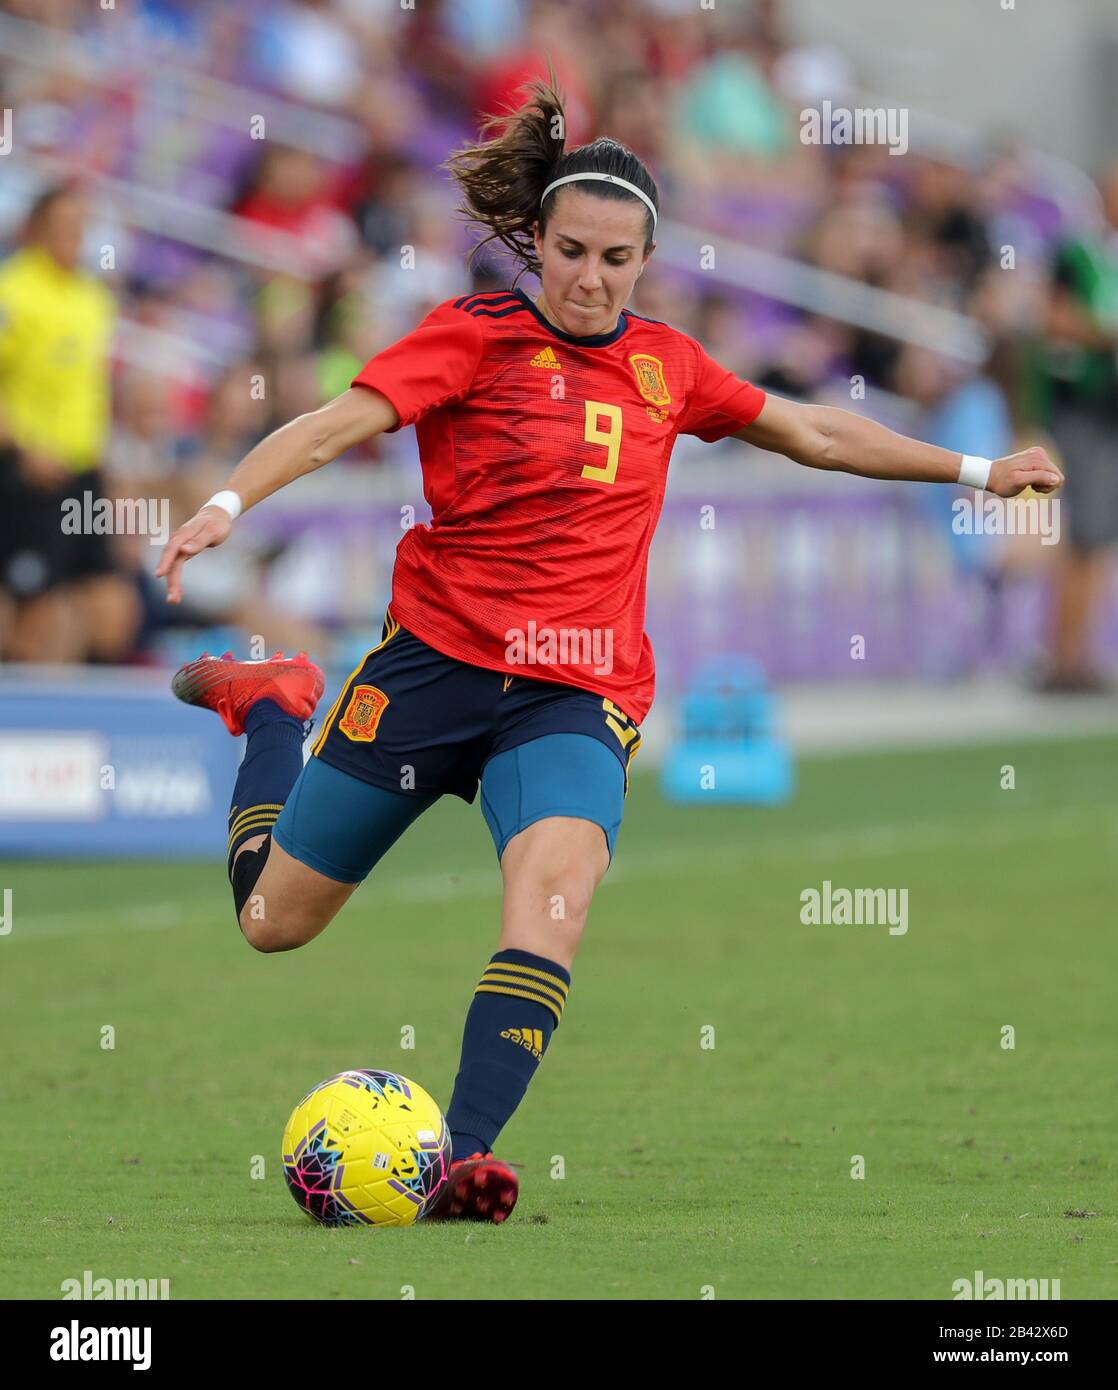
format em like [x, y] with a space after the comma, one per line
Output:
[544, 461]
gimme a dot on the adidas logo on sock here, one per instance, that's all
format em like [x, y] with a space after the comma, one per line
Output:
[531, 1038]
[546, 358]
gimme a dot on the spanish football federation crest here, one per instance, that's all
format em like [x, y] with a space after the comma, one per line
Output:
[650, 380]
[362, 715]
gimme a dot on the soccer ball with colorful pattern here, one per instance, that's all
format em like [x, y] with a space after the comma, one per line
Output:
[366, 1148]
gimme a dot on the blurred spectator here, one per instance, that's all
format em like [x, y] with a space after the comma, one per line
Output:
[423, 271]
[229, 586]
[634, 111]
[291, 191]
[551, 29]
[483, 28]
[65, 600]
[964, 412]
[140, 456]
[945, 213]
[732, 127]
[1082, 377]
[306, 50]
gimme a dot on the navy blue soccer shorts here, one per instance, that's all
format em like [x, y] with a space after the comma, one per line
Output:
[411, 725]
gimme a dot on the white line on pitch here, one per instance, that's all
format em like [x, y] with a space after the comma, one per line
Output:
[921, 837]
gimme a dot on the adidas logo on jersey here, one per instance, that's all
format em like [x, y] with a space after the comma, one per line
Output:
[546, 358]
[531, 1038]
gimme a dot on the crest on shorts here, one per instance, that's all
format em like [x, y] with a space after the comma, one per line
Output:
[362, 714]
[650, 378]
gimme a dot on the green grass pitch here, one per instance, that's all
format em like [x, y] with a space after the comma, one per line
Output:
[687, 1168]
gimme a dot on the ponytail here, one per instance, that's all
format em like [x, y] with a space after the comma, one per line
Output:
[502, 177]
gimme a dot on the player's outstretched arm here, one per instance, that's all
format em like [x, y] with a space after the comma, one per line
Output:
[820, 436]
[310, 441]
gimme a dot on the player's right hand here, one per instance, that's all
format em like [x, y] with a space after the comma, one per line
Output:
[208, 527]
[1029, 468]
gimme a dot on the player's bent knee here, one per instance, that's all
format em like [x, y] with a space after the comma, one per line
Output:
[568, 898]
[563, 893]
[283, 933]
[561, 875]
[290, 903]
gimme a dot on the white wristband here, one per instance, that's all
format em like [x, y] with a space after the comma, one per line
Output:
[974, 471]
[228, 501]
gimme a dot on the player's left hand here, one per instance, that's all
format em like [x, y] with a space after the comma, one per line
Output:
[209, 526]
[1030, 468]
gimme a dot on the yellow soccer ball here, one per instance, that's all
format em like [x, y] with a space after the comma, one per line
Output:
[366, 1148]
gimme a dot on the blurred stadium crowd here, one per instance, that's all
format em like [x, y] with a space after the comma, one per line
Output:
[190, 261]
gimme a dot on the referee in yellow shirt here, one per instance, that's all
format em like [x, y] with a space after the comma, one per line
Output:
[61, 598]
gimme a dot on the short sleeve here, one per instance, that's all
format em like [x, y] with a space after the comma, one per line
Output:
[719, 404]
[430, 366]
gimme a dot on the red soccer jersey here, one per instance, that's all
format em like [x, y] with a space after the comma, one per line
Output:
[544, 461]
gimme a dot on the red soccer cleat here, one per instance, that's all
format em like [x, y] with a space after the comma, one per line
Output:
[478, 1188]
[231, 687]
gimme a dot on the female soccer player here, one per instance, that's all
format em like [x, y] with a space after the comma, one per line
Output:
[514, 650]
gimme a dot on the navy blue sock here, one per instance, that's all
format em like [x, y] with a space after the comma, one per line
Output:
[515, 1009]
[273, 760]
